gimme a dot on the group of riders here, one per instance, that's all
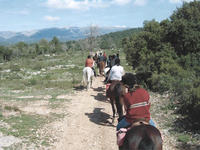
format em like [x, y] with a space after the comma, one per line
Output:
[102, 62]
[136, 100]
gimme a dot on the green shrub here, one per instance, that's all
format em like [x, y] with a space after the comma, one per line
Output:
[10, 108]
[37, 66]
[14, 67]
[30, 82]
[184, 138]
[161, 82]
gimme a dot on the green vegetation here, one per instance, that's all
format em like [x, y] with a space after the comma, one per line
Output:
[170, 51]
[26, 79]
[184, 138]
[115, 40]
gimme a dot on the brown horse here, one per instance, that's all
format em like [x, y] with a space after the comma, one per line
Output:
[101, 66]
[142, 137]
[115, 94]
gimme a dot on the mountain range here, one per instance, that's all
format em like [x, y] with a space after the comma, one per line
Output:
[63, 34]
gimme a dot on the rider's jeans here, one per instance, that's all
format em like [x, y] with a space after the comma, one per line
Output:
[123, 123]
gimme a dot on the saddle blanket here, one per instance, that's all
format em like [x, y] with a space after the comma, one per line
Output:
[107, 86]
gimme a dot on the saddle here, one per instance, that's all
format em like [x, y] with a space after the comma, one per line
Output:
[139, 121]
[121, 133]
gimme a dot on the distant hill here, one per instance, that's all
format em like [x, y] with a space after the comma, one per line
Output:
[63, 34]
[114, 39]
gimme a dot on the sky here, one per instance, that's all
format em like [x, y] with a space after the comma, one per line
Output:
[27, 15]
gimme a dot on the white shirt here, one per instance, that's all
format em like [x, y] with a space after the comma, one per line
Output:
[116, 73]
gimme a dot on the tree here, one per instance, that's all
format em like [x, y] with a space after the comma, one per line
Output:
[22, 49]
[93, 32]
[184, 30]
[170, 50]
[55, 45]
[5, 53]
[44, 46]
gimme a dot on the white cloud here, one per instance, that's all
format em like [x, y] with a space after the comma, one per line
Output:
[50, 18]
[179, 1]
[84, 4]
[120, 26]
[121, 2]
[73, 4]
[140, 2]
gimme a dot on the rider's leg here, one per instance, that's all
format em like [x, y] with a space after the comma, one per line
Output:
[123, 124]
[152, 123]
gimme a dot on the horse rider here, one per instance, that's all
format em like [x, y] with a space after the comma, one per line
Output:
[136, 103]
[116, 72]
[109, 61]
[90, 63]
[113, 60]
[114, 77]
[108, 65]
[101, 63]
[101, 57]
[117, 55]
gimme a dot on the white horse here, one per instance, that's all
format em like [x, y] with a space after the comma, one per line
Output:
[88, 75]
[106, 69]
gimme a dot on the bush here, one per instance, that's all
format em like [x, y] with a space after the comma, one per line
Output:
[171, 51]
[14, 67]
[161, 82]
[184, 138]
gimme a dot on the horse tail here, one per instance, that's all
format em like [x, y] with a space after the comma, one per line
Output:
[85, 76]
[146, 143]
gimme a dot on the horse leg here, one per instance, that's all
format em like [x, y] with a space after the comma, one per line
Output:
[113, 109]
[84, 80]
[88, 85]
[119, 108]
[91, 81]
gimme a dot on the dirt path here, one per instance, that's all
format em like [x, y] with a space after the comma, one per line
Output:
[88, 124]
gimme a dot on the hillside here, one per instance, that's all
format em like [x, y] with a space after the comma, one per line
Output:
[63, 34]
[116, 38]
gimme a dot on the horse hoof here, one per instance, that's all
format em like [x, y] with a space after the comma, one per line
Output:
[113, 120]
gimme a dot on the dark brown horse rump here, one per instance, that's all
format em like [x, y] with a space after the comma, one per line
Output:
[142, 137]
[110, 90]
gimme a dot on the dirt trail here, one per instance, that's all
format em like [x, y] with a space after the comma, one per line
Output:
[88, 125]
